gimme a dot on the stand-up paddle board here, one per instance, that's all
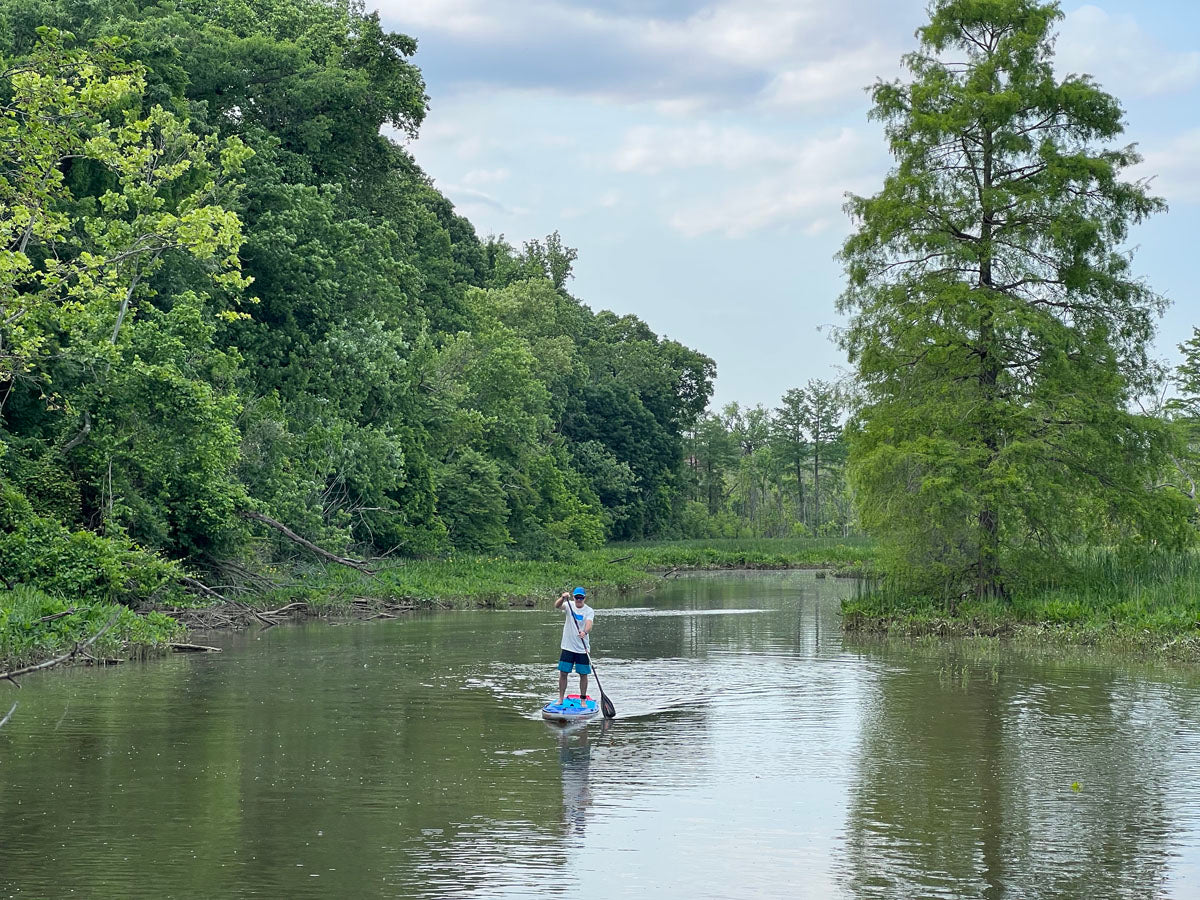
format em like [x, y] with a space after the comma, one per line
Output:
[572, 709]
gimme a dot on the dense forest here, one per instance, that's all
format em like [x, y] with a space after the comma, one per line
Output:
[230, 303]
[771, 473]
[237, 318]
[230, 300]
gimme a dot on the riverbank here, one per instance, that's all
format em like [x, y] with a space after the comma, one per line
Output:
[1147, 604]
[35, 626]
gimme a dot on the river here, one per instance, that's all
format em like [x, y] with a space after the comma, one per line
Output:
[756, 753]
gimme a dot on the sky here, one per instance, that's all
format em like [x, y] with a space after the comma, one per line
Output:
[698, 154]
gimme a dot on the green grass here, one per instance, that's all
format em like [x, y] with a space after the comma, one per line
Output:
[1147, 601]
[496, 580]
[724, 553]
[25, 636]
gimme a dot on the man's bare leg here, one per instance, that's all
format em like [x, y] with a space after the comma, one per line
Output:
[582, 689]
[562, 687]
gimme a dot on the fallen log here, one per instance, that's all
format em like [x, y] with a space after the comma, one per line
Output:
[307, 544]
[193, 648]
[203, 588]
[286, 609]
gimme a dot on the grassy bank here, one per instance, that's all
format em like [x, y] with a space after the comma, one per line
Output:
[490, 581]
[1145, 603]
[35, 626]
[854, 555]
[31, 628]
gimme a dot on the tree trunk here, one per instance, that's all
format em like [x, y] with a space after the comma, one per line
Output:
[988, 574]
[800, 489]
[817, 479]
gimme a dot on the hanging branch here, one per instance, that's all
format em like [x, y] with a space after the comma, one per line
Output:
[70, 654]
[306, 544]
[8, 715]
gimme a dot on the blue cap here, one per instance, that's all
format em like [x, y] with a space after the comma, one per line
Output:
[579, 592]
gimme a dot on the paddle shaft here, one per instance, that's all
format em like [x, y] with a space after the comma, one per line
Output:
[606, 705]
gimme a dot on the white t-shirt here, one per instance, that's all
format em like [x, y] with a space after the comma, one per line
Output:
[571, 639]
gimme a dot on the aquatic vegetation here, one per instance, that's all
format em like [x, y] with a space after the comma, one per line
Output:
[35, 625]
[1146, 599]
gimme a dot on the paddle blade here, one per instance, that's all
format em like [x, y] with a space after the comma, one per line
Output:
[606, 706]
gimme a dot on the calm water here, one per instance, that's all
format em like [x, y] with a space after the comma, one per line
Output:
[755, 755]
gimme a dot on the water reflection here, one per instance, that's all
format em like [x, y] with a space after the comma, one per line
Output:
[575, 758]
[995, 779]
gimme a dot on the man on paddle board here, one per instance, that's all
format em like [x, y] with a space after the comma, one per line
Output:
[575, 648]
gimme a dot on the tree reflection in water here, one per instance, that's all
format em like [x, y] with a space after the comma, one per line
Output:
[979, 781]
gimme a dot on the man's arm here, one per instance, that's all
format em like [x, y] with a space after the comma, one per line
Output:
[562, 598]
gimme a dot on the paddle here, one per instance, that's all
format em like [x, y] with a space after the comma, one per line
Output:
[606, 705]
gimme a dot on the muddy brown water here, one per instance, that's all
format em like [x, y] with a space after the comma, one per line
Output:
[756, 753]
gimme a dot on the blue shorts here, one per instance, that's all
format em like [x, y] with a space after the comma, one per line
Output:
[580, 661]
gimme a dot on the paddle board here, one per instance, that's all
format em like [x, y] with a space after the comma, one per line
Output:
[572, 709]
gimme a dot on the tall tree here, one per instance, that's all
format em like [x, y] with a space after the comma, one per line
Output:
[996, 326]
[790, 438]
[712, 453]
[821, 414]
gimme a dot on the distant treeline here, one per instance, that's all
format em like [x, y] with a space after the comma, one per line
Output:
[759, 472]
[226, 295]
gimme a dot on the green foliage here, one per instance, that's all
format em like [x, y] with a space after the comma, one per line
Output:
[997, 331]
[497, 578]
[76, 565]
[771, 473]
[1184, 412]
[223, 289]
[112, 386]
[23, 638]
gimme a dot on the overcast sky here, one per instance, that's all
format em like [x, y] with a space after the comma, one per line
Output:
[697, 154]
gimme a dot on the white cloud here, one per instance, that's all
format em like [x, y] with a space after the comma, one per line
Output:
[752, 32]
[469, 197]
[604, 202]
[1173, 168]
[808, 192]
[683, 56]
[835, 78]
[477, 177]
[648, 149]
[461, 18]
[1121, 56]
